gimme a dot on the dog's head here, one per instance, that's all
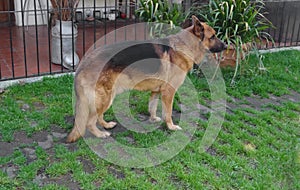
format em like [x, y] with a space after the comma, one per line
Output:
[207, 36]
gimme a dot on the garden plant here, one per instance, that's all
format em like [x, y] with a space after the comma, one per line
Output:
[240, 23]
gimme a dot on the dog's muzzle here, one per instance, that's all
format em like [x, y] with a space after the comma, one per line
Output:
[222, 46]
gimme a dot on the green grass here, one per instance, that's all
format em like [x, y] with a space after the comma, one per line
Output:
[282, 75]
[257, 148]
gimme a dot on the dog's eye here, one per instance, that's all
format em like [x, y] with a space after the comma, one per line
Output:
[213, 37]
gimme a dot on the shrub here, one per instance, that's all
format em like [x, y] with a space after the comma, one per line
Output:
[160, 11]
[237, 22]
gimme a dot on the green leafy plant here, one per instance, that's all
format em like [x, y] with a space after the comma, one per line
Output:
[239, 23]
[160, 12]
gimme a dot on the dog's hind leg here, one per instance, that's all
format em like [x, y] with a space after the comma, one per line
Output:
[152, 107]
[91, 125]
[103, 123]
[167, 97]
[102, 104]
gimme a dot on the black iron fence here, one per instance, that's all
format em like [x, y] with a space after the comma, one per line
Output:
[31, 46]
[26, 32]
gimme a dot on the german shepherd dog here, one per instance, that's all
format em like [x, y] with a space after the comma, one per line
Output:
[97, 82]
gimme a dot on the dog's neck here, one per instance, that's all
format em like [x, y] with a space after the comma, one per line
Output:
[185, 43]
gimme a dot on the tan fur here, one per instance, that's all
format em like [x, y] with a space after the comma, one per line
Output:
[94, 95]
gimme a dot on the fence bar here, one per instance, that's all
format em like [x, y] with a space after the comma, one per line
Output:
[135, 19]
[115, 21]
[94, 14]
[37, 38]
[11, 41]
[83, 26]
[125, 23]
[295, 16]
[287, 28]
[61, 40]
[73, 45]
[105, 20]
[0, 71]
[298, 34]
[281, 26]
[277, 21]
[24, 39]
[49, 21]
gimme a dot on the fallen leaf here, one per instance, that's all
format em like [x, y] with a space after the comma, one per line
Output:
[249, 147]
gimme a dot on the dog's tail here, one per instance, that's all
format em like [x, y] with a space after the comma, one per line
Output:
[81, 115]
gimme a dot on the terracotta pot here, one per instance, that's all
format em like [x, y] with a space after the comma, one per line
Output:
[229, 55]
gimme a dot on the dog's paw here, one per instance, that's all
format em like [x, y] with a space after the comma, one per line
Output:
[71, 139]
[110, 125]
[73, 136]
[103, 134]
[154, 119]
[174, 127]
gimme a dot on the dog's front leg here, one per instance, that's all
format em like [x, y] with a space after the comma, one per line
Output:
[152, 107]
[167, 97]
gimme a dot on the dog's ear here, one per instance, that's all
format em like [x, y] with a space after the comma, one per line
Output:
[198, 28]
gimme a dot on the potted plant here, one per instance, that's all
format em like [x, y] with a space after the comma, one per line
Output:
[64, 33]
[239, 23]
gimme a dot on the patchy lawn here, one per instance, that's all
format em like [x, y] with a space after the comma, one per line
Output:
[258, 146]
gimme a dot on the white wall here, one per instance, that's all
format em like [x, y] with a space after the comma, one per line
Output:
[29, 17]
